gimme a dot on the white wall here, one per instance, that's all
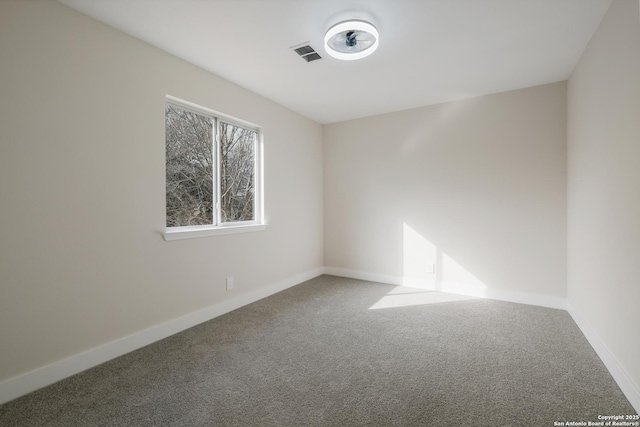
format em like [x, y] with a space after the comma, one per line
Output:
[604, 187]
[476, 186]
[82, 260]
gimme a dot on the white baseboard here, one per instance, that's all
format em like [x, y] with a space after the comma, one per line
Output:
[630, 390]
[364, 275]
[41, 377]
[454, 288]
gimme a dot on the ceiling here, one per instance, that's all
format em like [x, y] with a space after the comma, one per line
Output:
[431, 51]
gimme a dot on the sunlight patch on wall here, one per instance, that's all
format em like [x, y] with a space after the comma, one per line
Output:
[419, 259]
[427, 270]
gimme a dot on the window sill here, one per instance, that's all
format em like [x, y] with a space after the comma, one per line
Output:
[206, 231]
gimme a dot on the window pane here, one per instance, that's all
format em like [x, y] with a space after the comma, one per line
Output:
[189, 167]
[237, 170]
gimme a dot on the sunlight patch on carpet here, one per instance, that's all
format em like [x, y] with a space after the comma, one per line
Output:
[405, 297]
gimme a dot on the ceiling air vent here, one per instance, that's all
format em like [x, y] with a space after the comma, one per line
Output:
[306, 52]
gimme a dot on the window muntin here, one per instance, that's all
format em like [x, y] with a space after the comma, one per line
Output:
[212, 169]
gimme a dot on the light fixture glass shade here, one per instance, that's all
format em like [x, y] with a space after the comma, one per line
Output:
[350, 40]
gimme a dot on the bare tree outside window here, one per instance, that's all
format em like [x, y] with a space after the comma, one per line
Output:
[237, 170]
[189, 156]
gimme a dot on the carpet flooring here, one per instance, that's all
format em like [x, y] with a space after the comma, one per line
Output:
[342, 352]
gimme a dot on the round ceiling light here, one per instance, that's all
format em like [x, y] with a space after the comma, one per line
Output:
[351, 40]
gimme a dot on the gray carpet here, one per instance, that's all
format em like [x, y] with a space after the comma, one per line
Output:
[342, 352]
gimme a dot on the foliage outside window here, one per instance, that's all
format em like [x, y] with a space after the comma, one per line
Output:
[211, 169]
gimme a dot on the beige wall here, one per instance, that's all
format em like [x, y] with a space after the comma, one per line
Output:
[82, 260]
[475, 186]
[604, 185]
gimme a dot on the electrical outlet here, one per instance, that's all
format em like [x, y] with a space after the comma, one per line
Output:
[229, 283]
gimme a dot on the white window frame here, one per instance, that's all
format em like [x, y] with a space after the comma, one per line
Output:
[221, 228]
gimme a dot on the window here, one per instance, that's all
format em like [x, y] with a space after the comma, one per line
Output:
[213, 173]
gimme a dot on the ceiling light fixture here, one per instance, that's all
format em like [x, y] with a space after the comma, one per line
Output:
[350, 40]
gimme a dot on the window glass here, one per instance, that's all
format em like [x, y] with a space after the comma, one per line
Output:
[237, 173]
[189, 157]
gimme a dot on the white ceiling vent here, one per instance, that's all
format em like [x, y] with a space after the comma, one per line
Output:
[306, 52]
